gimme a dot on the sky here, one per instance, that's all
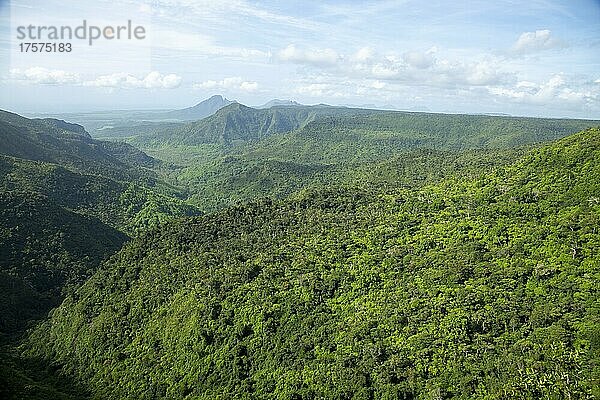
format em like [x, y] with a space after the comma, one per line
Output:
[532, 58]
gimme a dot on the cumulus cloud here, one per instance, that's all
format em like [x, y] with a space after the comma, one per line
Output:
[531, 42]
[411, 67]
[428, 71]
[483, 73]
[41, 75]
[44, 76]
[378, 85]
[234, 83]
[153, 80]
[317, 57]
[554, 90]
[364, 54]
[386, 70]
[418, 59]
[249, 86]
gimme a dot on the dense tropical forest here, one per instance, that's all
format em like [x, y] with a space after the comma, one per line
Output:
[300, 252]
[240, 153]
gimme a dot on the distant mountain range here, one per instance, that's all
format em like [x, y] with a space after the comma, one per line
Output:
[278, 102]
[201, 110]
[220, 120]
[233, 124]
[213, 104]
[298, 252]
[237, 124]
[102, 123]
[372, 106]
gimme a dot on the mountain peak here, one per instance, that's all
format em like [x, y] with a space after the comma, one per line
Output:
[234, 106]
[201, 110]
[214, 98]
[279, 102]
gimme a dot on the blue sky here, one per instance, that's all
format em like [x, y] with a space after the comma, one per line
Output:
[538, 58]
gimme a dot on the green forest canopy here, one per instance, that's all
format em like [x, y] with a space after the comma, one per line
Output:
[483, 288]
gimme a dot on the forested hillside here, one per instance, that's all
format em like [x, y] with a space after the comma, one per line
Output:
[125, 205]
[112, 181]
[237, 124]
[231, 125]
[236, 179]
[67, 202]
[300, 200]
[44, 249]
[477, 286]
[241, 153]
[69, 145]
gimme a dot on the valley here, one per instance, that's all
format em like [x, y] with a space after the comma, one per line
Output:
[299, 200]
[300, 252]
[339, 293]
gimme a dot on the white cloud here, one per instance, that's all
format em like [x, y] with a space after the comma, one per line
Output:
[249, 86]
[363, 55]
[44, 76]
[484, 73]
[145, 9]
[317, 57]
[554, 91]
[154, 80]
[418, 59]
[385, 71]
[378, 85]
[41, 75]
[425, 70]
[530, 42]
[526, 84]
[234, 83]
[420, 68]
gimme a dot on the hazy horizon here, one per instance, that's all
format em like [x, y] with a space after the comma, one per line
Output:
[34, 114]
[539, 59]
